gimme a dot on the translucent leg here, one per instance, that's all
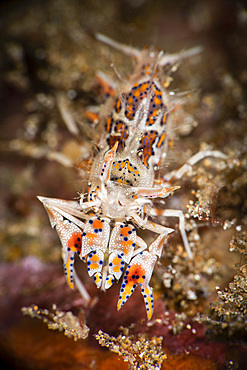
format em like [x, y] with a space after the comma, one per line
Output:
[66, 115]
[81, 288]
[152, 226]
[65, 208]
[125, 49]
[134, 52]
[187, 167]
[180, 215]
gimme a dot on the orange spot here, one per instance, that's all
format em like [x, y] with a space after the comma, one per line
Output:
[94, 258]
[73, 241]
[118, 106]
[129, 167]
[144, 86]
[93, 266]
[122, 181]
[116, 268]
[90, 238]
[157, 100]
[122, 164]
[120, 126]
[97, 224]
[109, 124]
[161, 140]
[136, 274]
[164, 119]
[125, 231]
[116, 261]
[92, 116]
[125, 250]
[129, 243]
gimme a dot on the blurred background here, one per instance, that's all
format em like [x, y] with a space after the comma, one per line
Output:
[48, 55]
